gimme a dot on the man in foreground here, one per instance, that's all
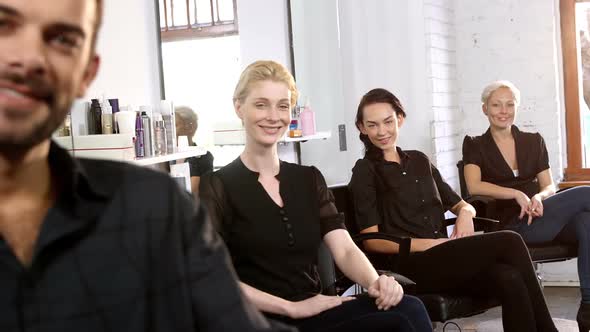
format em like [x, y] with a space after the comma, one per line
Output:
[91, 245]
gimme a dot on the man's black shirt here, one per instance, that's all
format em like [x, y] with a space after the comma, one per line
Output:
[122, 249]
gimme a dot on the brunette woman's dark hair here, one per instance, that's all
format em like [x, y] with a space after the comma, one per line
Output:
[373, 97]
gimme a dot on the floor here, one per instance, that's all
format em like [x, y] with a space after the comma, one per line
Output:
[563, 303]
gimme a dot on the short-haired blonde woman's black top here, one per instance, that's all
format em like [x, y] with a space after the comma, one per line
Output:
[532, 158]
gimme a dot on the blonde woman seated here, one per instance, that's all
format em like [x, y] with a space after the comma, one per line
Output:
[273, 216]
[400, 192]
[513, 166]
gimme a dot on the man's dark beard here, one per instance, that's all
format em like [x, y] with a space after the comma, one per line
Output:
[15, 146]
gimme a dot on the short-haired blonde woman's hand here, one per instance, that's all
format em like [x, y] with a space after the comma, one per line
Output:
[536, 206]
[524, 202]
[387, 292]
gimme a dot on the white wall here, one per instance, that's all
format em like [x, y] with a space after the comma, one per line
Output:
[441, 54]
[264, 33]
[128, 47]
[513, 40]
[345, 48]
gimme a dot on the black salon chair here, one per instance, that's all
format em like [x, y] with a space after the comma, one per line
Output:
[486, 207]
[441, 307]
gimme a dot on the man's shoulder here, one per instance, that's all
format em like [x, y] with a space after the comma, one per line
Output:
[111, 175]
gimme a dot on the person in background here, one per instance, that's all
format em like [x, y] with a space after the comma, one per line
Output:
[91, 245]
[187, 123]
[401, 193]
[513, 166]
[273, 216]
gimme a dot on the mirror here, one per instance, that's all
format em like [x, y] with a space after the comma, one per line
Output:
[200, 48]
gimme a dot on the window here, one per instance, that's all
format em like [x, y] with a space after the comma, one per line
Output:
[575, 38]
[191, 19]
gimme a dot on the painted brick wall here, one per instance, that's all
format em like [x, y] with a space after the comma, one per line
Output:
[441, 62]
[513, 40]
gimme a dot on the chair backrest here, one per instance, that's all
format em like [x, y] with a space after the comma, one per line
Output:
[344, 204]
[326, 270]
[463, 185]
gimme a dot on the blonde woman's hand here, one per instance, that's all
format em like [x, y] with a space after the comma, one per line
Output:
[315, 305]
[386, 291]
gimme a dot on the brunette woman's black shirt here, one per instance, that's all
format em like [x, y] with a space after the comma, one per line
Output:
[531, 156]
[273, 248]
[406, 199]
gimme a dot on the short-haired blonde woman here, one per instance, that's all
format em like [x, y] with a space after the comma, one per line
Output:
[273, 216]
[513, 166]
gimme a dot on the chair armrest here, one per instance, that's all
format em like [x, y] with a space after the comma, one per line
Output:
[484, 205]
[480, 198]
[403, 242]
[401, 279]
[343, 283]
[479, 223]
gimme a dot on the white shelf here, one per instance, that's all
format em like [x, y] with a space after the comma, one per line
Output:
[187, 152]
[317, 135]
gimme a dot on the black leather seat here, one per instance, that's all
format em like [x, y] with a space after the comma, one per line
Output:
[540, 253]
[441, 307]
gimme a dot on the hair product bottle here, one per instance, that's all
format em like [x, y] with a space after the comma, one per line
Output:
[167, 111]
[94, 116]
[139, 146]
[307, 118]
[115, 108]
[160, 143]
[147, 133]
[106, 118]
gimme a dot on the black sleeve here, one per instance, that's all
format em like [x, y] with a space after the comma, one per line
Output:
[471, 152]
[201, 165]
[448, 196]
[212, 195]
[330, 219]
[363, 189]
[543, 161]
[217, 301]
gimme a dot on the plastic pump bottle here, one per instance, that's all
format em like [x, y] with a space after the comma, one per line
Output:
[307, 118]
